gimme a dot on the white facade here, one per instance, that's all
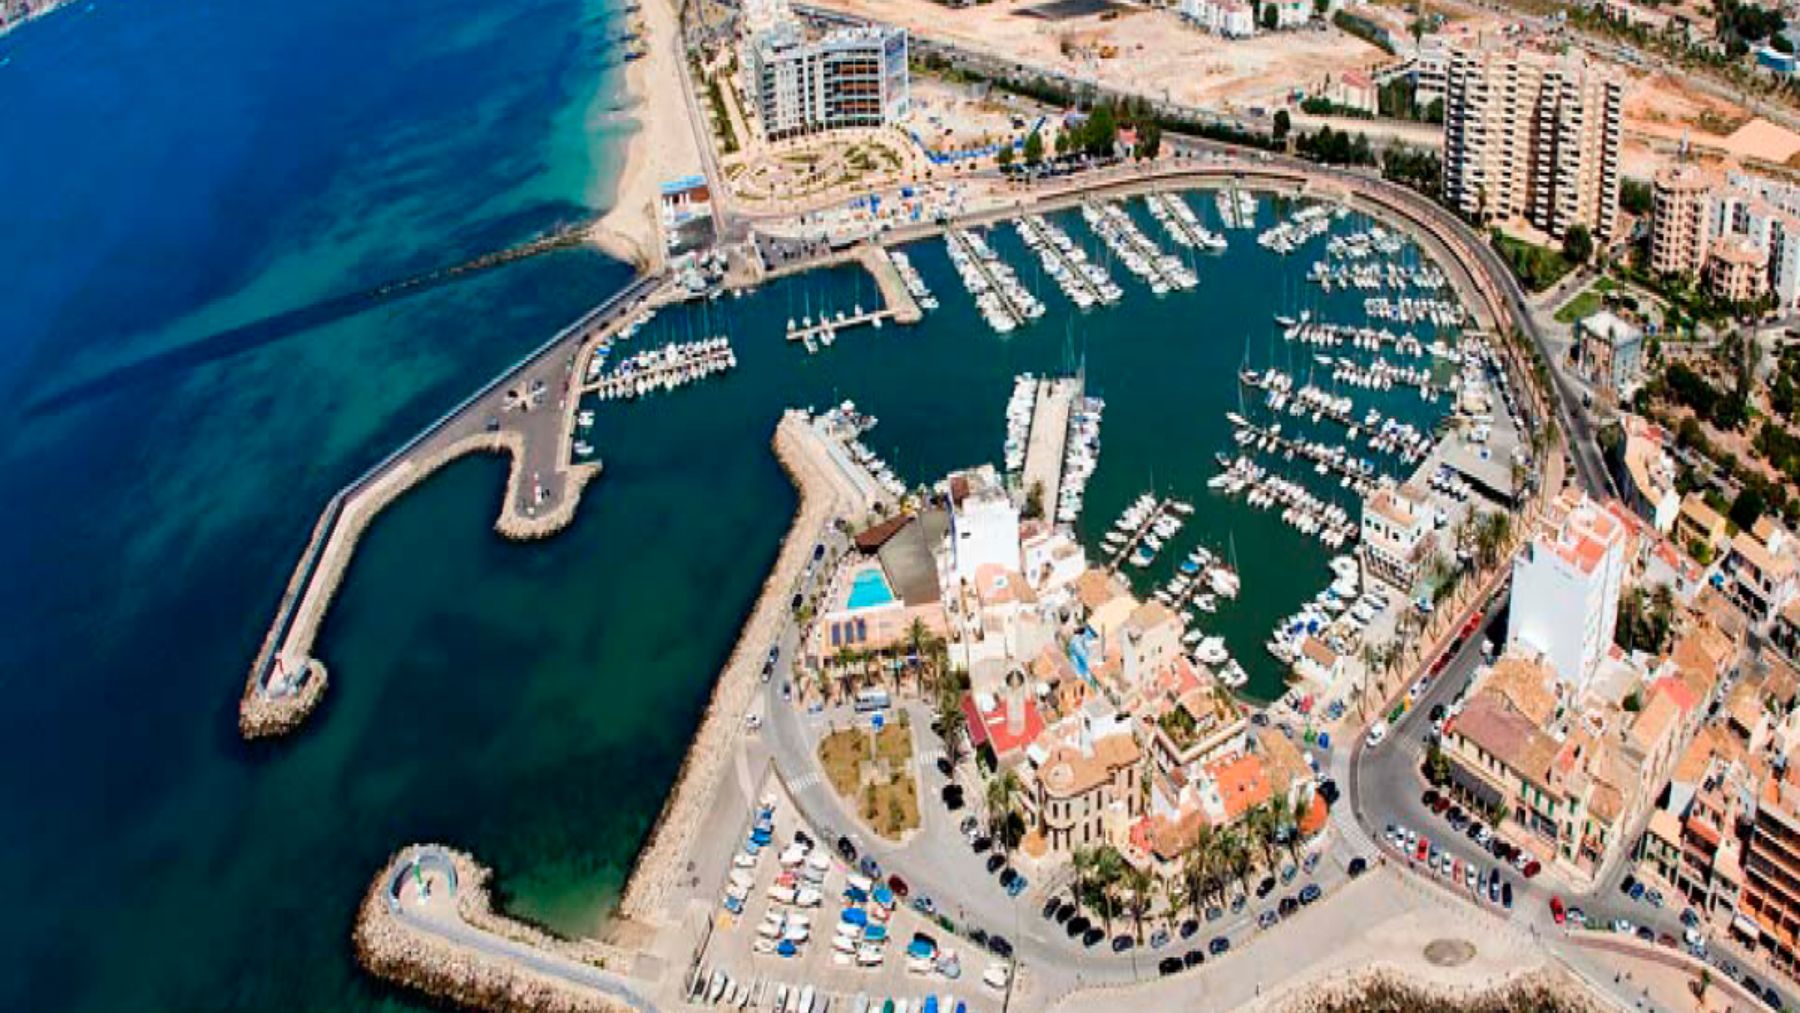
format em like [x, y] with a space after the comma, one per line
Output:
[1232, 19]
[1292, 13]
[851, 77]
[1565, 592]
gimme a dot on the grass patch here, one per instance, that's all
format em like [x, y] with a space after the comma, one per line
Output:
[1537, 267]
[871, 772]
[1587, 303]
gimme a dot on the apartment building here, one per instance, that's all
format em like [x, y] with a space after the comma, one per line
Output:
[1769, 907]
[1741, 234]
[1649, 485]
[1532, 135]
[1681, 219]
[849, 77]
[1761, 572]
[1231, 19]
[1566, 581]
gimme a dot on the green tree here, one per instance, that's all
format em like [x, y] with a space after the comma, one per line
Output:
[1149, 140]
[1003, 803]
[1578, 244]
[1034, 147]
[1005, 157]
[1634, 196]
[1270, 17]
[1283, 124]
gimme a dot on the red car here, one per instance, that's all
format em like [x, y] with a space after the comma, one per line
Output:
[1532, 868]
[1556, 909]
[1424, 850]
[898, 885]
[1472, 625]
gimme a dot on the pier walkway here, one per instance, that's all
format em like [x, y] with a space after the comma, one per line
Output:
[955, 236]
[1049, 437]
[514, 414]
[810, 335]
[1046, 235]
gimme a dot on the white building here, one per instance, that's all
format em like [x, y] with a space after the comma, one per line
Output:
[1232, 19]
[850, 77]
[1291, 13]
[1565, 591]
[1397, 524]
[1766, 213]
[984, 525]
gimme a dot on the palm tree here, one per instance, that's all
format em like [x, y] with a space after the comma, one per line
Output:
[1140, 883]
[1082, 860]
[1109, 866]
[1002, 801]
[952, 724]
[1193, 874]
[915, 644]
[1234, 854]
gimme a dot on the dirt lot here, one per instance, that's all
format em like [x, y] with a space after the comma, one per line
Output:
[1154, 52]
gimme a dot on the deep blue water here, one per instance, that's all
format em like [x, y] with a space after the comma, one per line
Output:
[177, 175]
[193, 189]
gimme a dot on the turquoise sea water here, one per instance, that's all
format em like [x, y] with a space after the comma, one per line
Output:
[191, 189]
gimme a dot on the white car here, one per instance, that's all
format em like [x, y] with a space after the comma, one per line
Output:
[1622, 925]
[1377, 732]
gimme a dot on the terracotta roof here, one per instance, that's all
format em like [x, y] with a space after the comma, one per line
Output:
[990, 728]
[1525, 683]
[1149, 616]
[1068, 772]
[1095, 588]
[1242, 783]
[875, 537]
[1655, 722]
[1490, 720]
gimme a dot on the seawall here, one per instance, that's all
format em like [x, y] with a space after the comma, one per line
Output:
[824, 497]
[285, 682]
[449, 943]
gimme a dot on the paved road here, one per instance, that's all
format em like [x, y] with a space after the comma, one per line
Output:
[1386, 786]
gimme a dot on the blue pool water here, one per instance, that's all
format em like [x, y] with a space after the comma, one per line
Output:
[868, 589]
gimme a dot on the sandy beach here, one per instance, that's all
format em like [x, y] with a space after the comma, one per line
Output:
[662, 146]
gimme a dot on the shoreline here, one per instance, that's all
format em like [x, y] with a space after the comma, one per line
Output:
[661, 860]
[661, 144]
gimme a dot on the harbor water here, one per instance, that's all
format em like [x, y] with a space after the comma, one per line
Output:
[195, 189]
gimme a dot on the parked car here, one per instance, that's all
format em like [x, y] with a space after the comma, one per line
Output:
[1092, 936]
[1169, 965]
[898, 885]
[1219, 945]
[1267, 920]
[1076, 926]
[1309, 893]
[1187, 928]
[995, 862]
[998, 946]
[1123, 942]
[1159, 939]
[1557, 912]
[1193, 958]
[1357, 866]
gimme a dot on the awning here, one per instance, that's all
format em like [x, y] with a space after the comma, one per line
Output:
[1745, 926]
[1474, 785]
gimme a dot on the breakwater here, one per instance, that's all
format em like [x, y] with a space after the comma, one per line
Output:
[427, 923]
[825, 495]
[286, 682]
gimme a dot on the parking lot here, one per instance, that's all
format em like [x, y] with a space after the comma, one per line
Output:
[795, 917]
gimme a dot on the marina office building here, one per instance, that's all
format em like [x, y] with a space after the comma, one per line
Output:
[1532, 135]
[848, 77]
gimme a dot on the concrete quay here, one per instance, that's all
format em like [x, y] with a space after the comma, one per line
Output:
[1048, 439]
[513, 414]
[427, 923]
[826, 495]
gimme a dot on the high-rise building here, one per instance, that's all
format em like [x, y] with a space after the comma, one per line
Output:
[1565, 598]
[1532, 135]
[849, 77]
[1681, 219]
[1771, 893]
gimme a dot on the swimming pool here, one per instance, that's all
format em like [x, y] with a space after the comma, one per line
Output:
[868, 589]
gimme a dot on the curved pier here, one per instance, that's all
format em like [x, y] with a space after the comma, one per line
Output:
[427, 923]
[513, 414]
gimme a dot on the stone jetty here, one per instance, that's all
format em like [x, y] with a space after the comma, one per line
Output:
[427, 923]
[527, 413]
[826, 494]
